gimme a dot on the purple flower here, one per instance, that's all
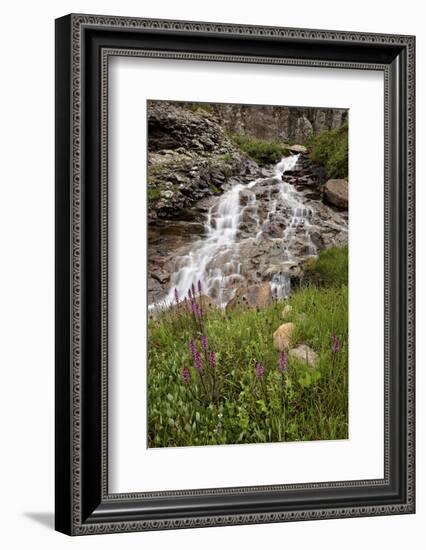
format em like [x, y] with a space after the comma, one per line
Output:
[260, 371]
[204, 343]
[197, 362]
[189, 294]
[193, 289]
[283, 362]
[192, 348]
[211, 356]
[335, 344]
[176, 296]
[185, 375]
[200, 288]
[197, 312]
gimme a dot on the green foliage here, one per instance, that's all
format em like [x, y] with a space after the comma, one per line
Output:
[330, 148]
[330, 267]
[260, 150]
[155, 188]
[228, 403]
[200, 108]
[227, 157]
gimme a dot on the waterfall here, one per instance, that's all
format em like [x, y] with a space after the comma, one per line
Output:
[213, 260]
[239, 219]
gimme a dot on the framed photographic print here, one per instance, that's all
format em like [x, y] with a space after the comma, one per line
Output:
[234, 274]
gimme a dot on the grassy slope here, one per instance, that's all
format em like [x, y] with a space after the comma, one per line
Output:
[241, 409]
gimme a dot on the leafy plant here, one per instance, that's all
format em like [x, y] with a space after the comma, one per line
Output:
[330, 148]
[260, 150]
[330, 267]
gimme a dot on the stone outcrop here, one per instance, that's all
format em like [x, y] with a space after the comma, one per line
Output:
[292, 124]
[336, 192]
[189, 158]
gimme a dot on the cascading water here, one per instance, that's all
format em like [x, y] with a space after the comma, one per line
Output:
[213, 260]
[238, 220]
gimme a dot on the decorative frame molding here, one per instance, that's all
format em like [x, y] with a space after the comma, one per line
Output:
[84, 43]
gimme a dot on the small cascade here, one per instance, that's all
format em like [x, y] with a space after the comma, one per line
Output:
[280, 286]
[213, 260]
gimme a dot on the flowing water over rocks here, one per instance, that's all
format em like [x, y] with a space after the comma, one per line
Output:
[254, 232]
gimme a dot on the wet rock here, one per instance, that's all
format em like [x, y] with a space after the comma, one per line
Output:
[305, 354]
[336, 193]
[283, 335]
[159, 275]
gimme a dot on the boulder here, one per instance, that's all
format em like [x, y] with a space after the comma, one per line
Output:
[298, 149]
[253, 296]
[336, 192]
[305, 354]
[282, 336]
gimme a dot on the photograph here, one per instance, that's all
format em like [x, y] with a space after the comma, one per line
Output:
[247, 273]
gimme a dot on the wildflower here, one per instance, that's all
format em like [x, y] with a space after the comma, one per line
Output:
[200, 288]
[189, 294]
[211, 356]
[335, 344]
[204, 343]
[185, 375]
[176, 296]
[283, 362]
[197, 312]
[260, 371]
[197, 362]
[192, 348]
[193, 290]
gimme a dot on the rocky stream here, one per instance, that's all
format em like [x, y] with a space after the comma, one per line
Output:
[242, 230]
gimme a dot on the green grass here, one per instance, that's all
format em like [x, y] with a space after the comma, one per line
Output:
[260, 150]
[228, 404]
[330, 267]
[330, 148]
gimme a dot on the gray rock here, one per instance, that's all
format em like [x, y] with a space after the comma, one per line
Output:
[305, 354]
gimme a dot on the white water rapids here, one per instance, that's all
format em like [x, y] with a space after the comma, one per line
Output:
[215, 259]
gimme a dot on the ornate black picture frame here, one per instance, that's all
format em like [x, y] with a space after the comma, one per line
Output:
[84, 44]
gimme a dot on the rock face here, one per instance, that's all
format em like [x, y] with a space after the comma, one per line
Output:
[254, 296]
[294, 124]
[282, 336]
[189, 158]
[336, 192]
[305, 354]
